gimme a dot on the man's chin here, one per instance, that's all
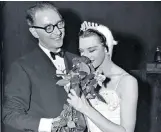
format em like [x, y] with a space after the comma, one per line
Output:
[59, 43]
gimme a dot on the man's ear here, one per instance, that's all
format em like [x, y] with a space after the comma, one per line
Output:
[33, 32]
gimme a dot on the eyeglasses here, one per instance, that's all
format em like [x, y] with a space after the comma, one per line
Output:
[50, 28]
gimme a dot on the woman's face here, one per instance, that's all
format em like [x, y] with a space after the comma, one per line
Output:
[92, 48]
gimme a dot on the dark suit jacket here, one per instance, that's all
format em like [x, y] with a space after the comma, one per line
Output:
[31, 92]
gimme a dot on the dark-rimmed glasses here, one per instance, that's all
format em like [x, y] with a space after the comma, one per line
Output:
[50, 28]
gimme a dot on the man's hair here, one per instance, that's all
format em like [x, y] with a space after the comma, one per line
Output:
[30, 13]
[92, 32]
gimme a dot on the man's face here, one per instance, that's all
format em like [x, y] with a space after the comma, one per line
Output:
[53, 40]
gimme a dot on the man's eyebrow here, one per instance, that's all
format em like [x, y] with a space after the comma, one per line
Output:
[47, 24]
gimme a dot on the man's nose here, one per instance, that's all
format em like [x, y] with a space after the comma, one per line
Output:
[57, 31]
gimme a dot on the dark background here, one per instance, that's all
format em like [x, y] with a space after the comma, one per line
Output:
[1, 33]
[135, 25]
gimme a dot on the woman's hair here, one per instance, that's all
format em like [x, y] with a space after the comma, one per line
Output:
[30, 13]
[92, 32]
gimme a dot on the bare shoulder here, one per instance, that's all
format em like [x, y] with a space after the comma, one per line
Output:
[128, 79]
[128, 86]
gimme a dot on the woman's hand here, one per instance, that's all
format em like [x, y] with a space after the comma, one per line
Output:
[80, 104]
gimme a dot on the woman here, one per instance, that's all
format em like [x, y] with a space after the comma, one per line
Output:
[118, 114]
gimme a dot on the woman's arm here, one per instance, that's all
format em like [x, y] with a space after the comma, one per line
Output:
[129, 98]
[129, 95]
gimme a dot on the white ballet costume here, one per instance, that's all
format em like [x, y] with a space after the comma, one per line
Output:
[110, 109]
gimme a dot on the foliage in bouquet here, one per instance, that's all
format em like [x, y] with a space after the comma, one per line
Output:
[67, 120]
[83, 79]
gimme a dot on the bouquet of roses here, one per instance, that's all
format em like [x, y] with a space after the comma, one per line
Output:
[83, 79]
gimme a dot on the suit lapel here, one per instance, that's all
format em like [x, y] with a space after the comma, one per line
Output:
[68, 61]
[47, 67]
[44, 64]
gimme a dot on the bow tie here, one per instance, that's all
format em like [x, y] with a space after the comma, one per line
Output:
[61, 54]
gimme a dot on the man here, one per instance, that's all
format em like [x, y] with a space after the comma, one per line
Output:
[32, 98]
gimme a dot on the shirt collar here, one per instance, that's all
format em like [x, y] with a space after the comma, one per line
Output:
[47, 52]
